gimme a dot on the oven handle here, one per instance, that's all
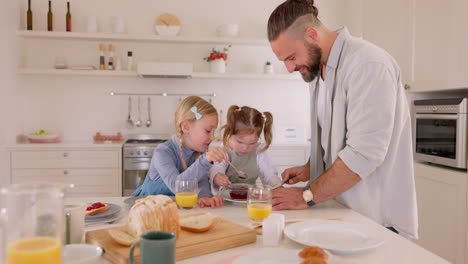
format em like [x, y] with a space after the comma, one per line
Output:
[140, 161]
[437, 116]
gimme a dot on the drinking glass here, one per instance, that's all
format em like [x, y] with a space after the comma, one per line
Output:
[32, 219]
[259, 202]
[186, 193]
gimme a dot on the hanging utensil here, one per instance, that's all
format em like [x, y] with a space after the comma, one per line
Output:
[138, 123]
[148, 122]
[129, 118]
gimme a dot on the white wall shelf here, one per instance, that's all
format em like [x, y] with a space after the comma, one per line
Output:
[195, 75]
[140, 37]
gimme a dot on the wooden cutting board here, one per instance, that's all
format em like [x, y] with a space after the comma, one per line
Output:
[223, 235]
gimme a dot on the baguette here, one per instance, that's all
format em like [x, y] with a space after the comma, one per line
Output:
[96, 208]
[198, 223]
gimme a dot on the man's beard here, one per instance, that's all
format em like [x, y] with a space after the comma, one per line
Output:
[313, 64]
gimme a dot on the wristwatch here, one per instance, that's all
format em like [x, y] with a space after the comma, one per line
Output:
[308, 196]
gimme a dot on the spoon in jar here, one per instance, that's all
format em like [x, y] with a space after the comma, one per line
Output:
[240, 173]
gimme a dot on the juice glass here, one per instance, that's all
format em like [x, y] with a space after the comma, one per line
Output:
[32, 220]
[186, 193]
[259, 202]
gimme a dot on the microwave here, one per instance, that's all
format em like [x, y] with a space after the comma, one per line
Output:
[441, 131]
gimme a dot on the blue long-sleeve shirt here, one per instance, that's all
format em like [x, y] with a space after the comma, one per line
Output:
[166, 165]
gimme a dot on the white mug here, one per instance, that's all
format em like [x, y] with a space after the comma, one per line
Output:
[91, 24]
[74, 223]
[117, 24]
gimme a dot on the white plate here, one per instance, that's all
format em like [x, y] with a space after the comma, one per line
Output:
[278, 256]
[46, 136]
[81, 254]
[337, 236]
[113, 209]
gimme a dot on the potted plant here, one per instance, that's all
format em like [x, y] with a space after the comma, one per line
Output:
[268, 68]
[217, 59]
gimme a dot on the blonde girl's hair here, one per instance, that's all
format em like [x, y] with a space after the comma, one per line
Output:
[248, 120]
[184, 113]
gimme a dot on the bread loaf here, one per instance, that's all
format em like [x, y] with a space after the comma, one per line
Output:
[153, 213]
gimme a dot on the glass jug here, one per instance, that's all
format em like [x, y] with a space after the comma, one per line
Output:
[32, 221]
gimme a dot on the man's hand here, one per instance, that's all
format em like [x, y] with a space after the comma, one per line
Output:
[221, 179]
[296, 174]
[288, 199]
[212, 202]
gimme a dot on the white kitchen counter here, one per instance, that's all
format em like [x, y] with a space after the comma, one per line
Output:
[396, 248]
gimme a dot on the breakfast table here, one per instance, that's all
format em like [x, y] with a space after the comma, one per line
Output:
[395, 248]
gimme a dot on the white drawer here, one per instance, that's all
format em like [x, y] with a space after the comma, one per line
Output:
[88, 182]
[64, 159]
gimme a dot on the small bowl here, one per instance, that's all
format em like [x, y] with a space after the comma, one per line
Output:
[228, 30]
[167, 30]
[238, 191]
[81, 254]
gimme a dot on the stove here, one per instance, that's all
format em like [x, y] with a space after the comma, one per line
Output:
[136, 159]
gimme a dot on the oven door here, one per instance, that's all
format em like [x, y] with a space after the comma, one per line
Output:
[134, 173]
[441, 139]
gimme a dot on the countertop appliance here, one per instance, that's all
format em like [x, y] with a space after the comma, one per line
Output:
[441, 131]
[136, 159]
[165, 69]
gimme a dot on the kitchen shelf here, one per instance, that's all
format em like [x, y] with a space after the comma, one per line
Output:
[195, 75]
[139, 37]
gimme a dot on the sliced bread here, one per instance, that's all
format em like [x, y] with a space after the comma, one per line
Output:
[122, 236]
[198, 222]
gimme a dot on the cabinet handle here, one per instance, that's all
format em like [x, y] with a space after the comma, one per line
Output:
[65, 172]
[407, 86]
[65, 154]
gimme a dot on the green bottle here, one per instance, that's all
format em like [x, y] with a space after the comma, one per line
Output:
[29, 15]
[50, 18]
[68, 18]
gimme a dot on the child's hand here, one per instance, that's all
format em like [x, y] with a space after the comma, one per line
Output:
[216, 155]
[212, 202]
[221, 179]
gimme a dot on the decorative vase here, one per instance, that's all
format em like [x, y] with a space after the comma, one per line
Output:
[218, 66]
[268, 69]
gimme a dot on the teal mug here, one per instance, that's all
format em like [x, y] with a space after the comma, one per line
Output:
[155, 247]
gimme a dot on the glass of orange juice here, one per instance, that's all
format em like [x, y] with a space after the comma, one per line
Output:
[186, 193]
[32, 219]
[259, 202]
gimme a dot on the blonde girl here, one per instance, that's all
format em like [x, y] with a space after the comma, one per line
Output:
[241, 140]
[185, 155]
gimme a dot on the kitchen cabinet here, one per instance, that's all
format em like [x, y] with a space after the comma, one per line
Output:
[440, 46]
[386, 24]
[425, 37]
[93, 171]
[442, 200]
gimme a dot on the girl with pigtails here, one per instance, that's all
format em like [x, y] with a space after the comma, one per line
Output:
[241, 137]
[186, 153]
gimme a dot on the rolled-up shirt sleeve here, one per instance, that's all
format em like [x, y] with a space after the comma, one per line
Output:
[371, 103]
[218, 167]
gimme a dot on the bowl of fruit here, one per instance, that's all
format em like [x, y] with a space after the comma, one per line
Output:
[43, 137]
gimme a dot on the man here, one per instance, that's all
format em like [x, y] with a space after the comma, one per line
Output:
[360, 122]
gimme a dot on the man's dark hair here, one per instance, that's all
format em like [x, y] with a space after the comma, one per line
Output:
[301, 13]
